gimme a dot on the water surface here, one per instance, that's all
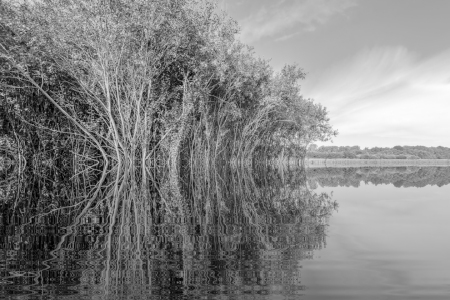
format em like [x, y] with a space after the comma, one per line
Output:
[389, 238]
[316, 233]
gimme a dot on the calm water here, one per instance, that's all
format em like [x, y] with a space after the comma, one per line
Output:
[270, 237]
[389, 239]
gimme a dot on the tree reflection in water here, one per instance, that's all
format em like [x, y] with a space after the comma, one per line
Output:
[412, 176]
[238, 233]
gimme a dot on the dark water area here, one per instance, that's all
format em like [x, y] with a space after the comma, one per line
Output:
[353, 233]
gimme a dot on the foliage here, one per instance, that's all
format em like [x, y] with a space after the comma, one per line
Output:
[116, 90]
[397, 152]
[134, 113]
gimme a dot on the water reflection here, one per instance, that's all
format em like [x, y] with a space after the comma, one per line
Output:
[240, 233]
[412, 176]
[386, 241]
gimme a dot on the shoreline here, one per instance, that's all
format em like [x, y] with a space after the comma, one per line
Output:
[355, 162]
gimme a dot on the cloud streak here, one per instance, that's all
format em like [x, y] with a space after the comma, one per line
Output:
[386, 97]
[284, 16]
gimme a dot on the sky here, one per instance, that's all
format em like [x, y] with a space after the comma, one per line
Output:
[381, 67]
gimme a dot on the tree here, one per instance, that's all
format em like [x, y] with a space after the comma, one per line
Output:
[312, 147]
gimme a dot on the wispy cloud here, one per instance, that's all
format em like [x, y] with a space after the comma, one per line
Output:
[387, 96]
[304, 15]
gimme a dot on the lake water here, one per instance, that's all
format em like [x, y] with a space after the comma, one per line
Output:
[387, 241]
[319, 233]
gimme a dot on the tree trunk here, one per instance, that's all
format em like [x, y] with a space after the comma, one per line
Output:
[174, 154]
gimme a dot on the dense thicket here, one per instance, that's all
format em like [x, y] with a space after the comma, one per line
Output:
[397, 152]
[125, 99]
[127, 115]
[135, 80]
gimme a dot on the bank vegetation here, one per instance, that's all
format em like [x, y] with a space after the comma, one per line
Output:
[126, 93]
[396, 152]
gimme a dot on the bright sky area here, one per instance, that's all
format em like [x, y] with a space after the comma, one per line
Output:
[381, 67]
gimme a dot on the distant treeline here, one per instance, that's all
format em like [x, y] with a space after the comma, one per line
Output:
[397, 152]
[398, 176]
